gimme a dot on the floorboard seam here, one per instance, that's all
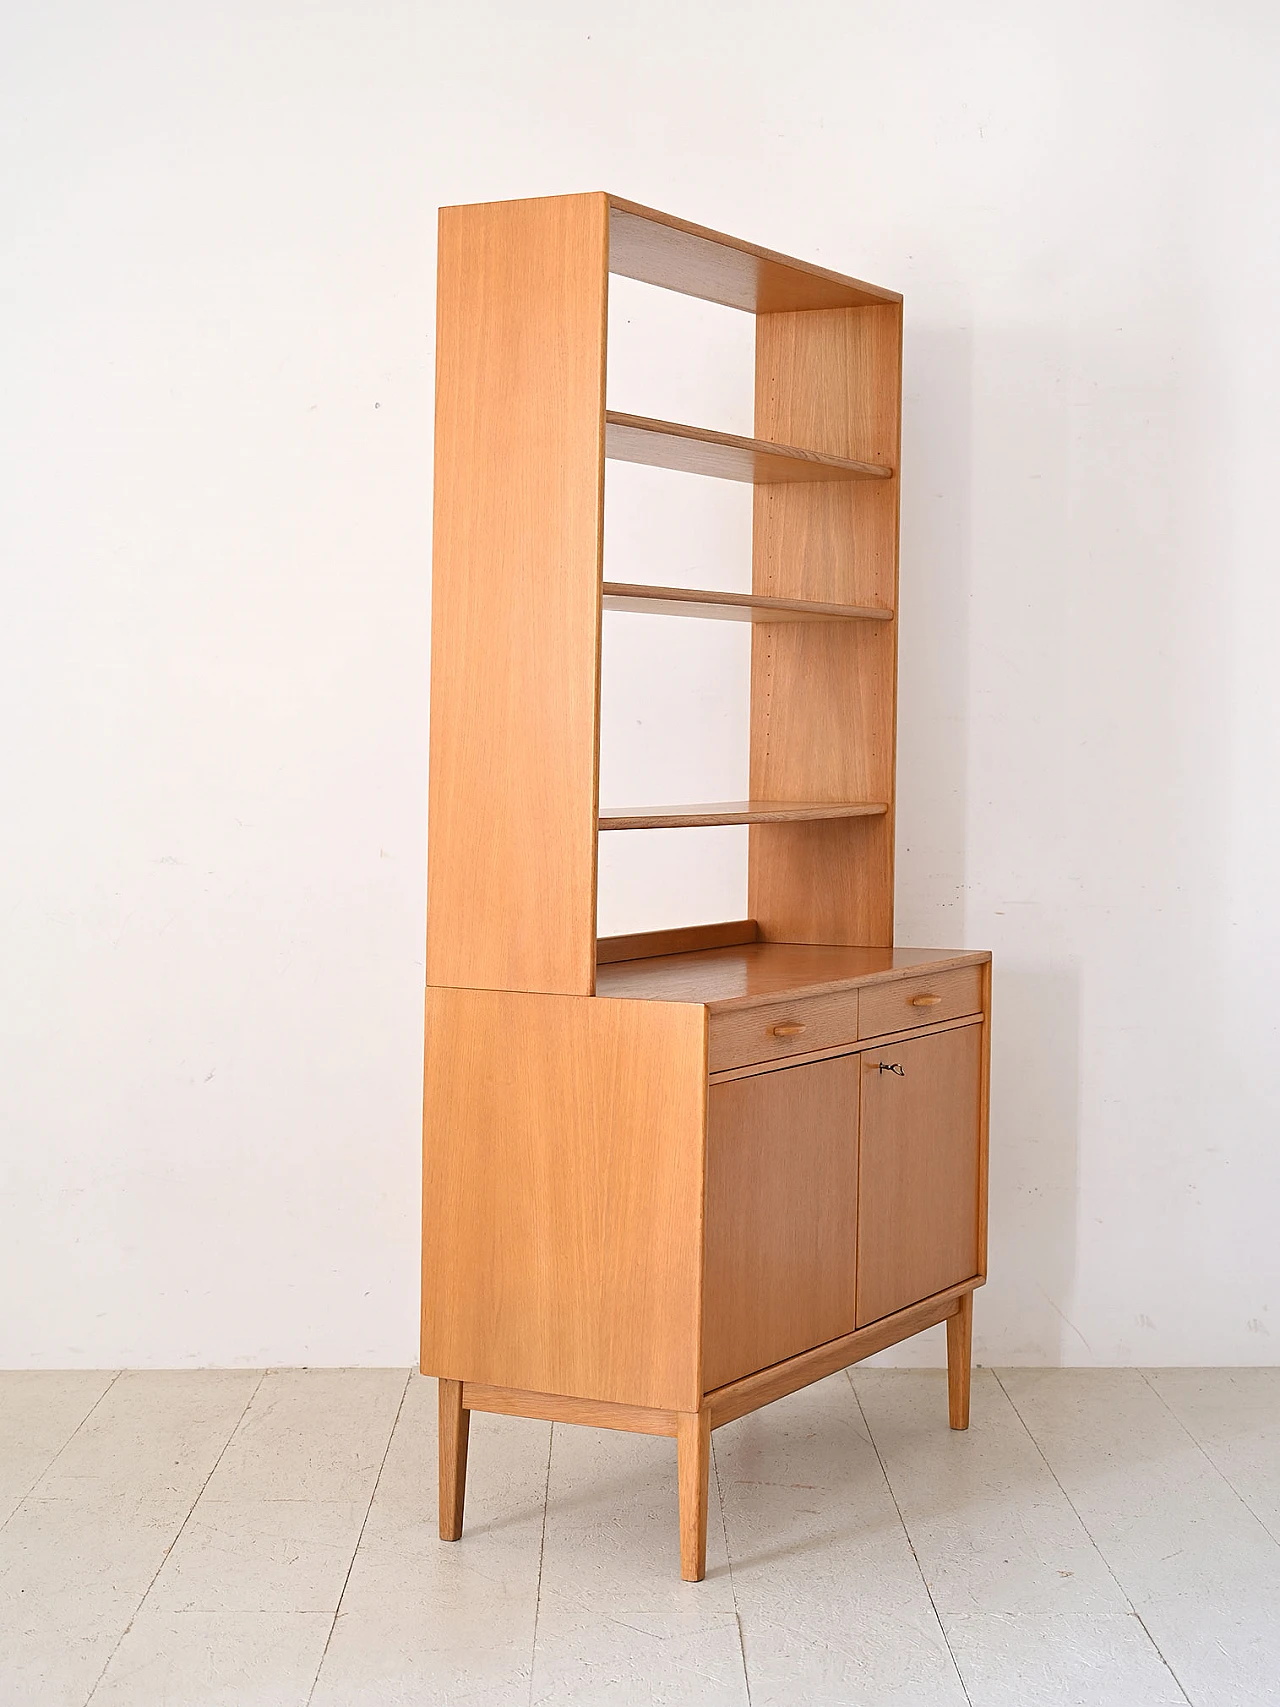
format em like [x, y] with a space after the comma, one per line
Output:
[58, 1454]
[728, 1559]
[924, 1581]
[542, 1548]
[231, 1434]
[333, 1623]
[1106, 1563]
[1204, 1452]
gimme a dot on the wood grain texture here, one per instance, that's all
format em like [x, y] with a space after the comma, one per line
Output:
[735, 812]
[752, 1069]
[562, 1195]
[959, 1362]
[682, 939]
[752, 974]
[823, 696]
[611, 1238]
[693, 1455]
[918, 1174]
[455, 1425]
[725, 456]
[555, 1407]
[782, 1172]
[661, 250]
[644, 600]
[515, 631]
[778, 1030]
[920, 1001]
[766, 1385]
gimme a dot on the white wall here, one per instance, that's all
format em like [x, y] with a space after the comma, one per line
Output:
[218, 228]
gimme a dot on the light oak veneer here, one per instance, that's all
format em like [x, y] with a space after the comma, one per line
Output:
[782, 1174]
[748, 973]
[921, 1001]
[732, 607]
[736, 812]
[776, 1031]
[515, 595]
[823, 696]
[659, 249]
[725, 456]
[562, 1194]
[672, 1176]
[918, 1149]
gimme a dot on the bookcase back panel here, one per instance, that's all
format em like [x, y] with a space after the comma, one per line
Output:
[823, 695]
[828, 882]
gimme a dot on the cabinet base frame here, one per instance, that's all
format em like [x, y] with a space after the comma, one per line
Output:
[692, 1429]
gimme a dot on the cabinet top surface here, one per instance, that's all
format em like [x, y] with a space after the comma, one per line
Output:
[758, 972]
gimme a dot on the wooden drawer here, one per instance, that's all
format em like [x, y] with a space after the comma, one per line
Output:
[883, 1008]
[746, 1035]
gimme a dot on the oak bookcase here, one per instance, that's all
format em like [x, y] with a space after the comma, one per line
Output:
[671, 1177]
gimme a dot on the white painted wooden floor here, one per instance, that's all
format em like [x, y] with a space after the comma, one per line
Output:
[1109, 1538]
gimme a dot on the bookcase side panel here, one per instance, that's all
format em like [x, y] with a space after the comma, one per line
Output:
[515, 643]
[824, 695]
[563, 1160]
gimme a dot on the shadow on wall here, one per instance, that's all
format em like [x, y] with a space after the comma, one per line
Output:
[1095, 845]
[935, 592]
[1021, 843]
[1036, 1007]
[1035, 1141]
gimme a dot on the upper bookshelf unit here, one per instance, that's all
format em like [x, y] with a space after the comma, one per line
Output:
[518, 588]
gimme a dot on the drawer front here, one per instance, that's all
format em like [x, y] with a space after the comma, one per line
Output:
[744, 1036]
[883, 1008]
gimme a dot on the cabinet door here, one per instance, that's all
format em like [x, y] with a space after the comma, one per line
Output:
[919, 1167]
[782, 1174]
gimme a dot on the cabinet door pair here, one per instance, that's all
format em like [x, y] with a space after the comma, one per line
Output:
[837, 1193]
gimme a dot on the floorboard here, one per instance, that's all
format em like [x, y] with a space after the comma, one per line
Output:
[1100, 1537]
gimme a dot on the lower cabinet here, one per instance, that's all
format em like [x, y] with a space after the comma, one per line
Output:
[781, 1208]
[919, 1169]
[838, 1192]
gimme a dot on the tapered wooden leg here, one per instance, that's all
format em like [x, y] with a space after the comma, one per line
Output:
[455, 1426]
[693, 1453]
[959, 1356]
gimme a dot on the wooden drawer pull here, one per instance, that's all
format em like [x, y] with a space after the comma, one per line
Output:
[788, 1028]
[925, 1001]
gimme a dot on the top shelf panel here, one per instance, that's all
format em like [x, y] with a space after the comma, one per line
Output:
[659, 250]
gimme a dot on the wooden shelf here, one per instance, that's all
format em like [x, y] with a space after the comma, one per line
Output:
[736, 812]
[659, 250]
[732, 607]
[698, 450]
